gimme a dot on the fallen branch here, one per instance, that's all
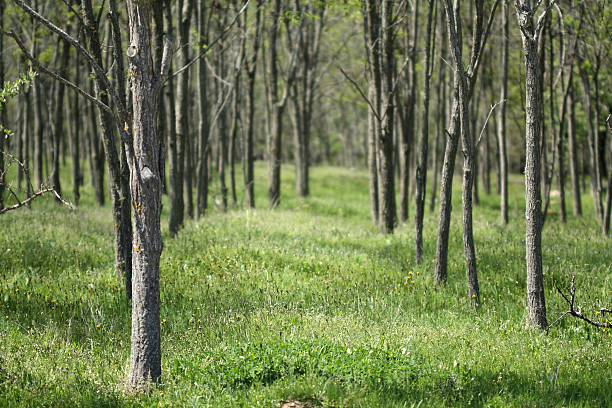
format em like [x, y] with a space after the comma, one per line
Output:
[35, 196]
[578, 312]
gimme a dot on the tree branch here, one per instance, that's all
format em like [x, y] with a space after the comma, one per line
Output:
[53, 74]
[365, 98]
[77, 45]
[212, 44]
[578, 313]
[487, 120]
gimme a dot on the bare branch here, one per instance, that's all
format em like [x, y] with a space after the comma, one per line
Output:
[577, 312]
[77, 45]
[35, 196]
[55, 75]
[487, 120]
[212, 44]
[365, 98]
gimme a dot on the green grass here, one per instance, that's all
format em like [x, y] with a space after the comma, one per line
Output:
[307, 301]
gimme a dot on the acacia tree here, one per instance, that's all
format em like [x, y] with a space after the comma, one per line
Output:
[421, 171]
[463, 85]
[501, 117]
[530, 34]
[138, 132]
[251, 71]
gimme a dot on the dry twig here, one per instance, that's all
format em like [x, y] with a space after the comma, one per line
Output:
[576, 310]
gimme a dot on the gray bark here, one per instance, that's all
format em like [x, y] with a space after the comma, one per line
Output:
[386, 187]
[58, 125]
[533, 212]
[501, 117]
[251, 71]
[421, 172]
[203, 129]
[573, 155]
[145, 183]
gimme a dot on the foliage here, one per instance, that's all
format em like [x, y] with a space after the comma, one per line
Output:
[307, 302]
[11, 90]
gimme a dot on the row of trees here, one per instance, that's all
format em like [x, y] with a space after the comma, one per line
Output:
[199, 86]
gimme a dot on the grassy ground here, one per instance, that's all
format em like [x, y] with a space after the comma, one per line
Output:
[307, 301]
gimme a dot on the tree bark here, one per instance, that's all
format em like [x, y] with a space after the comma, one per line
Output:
[573, 154]
[204, 127]
[501, 117]
[251, 71]
[58, 125]
[75, 153]
[421, 172]
[440, 112]
[386, 186]
[533, 213]
[145, 183]
[276, 106]
[3, 116]
[410, 128]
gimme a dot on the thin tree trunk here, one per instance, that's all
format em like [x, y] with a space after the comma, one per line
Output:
[76, 136]
[593, 144]
[203, 130]
[421, 173]
[501, 117]
[533, 213]
[58, 125]
[441, 112]
[608, 208]
[185, 8]
[3, 115]
[38, 134]
[175, 163]
[385, 142]
[573, 154]
[251, 66]
[274, 140]
[145, 183]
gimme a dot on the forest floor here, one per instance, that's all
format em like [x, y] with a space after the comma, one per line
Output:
[306, 303]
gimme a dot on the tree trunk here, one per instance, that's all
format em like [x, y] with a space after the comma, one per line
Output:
[185, 8]
[501, 117]
[533, 213]
[204, 127]
[175, 163]
[3, 116]
[446, 191]
[596, 180]
[421, 173]
[247, 152]
[385, 142]
[75, 153]
[274, 140]
[145, 183]
[608, 208]
[573, 154]
[58, 125]
[440, 112]
[38, 134]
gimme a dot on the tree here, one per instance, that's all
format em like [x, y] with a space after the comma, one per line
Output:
[501, 117]
[276, 105]
[530, 34]
[463, 88]
[421, 172]
[138, 133]
[251, 71]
